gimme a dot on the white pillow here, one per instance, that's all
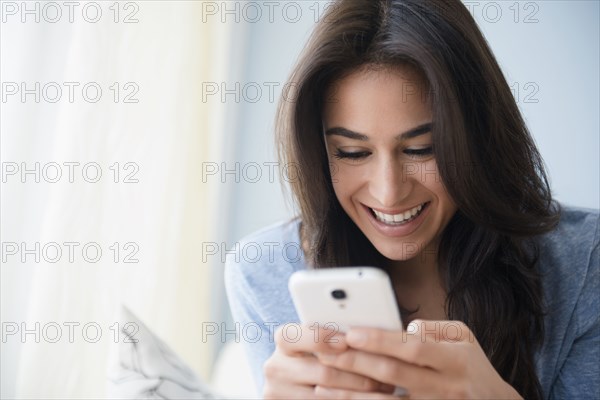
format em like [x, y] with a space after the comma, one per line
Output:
[144, 367]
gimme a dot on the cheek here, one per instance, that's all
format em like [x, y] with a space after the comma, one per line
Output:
[345, 181]
[432, 180]
[334, 172]
[428, 175]
[339, 180]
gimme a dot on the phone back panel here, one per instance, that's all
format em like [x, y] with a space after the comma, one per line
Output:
[369, 298]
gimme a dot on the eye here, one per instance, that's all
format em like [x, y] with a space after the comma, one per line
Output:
[355, 155]
[426, 151]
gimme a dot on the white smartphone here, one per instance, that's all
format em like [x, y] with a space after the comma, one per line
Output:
[341, 298]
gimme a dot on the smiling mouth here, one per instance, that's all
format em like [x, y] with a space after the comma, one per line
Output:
[401, 218]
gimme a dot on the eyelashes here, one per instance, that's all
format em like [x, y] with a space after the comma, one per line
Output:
[427, 151]
[358, 155]
[339, 154]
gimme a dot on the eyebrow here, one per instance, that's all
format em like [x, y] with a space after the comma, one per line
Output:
[414, 132]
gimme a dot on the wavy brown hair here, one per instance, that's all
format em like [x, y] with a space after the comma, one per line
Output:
[486, 157]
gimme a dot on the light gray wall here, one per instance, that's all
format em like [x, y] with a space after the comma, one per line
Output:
[559, 57]
[553, 61]
[548, 50]
[264, 54]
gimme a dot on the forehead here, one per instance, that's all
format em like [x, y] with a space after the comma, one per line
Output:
[374, 100]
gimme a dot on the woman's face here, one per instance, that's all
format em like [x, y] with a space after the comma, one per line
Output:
[377, 130]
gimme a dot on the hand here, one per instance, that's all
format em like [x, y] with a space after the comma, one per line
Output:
[433, 360]
[293, 371]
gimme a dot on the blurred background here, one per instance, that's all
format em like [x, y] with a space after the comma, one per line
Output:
[137, 149]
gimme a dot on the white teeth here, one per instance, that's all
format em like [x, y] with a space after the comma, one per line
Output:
[398, 218]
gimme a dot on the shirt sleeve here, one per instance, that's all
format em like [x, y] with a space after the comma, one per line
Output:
[579, 376]
[256, 333]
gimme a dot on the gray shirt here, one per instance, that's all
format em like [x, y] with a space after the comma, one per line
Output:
[568, 363]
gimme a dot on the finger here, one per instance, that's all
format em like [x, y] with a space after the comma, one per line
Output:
[332, 393]
[309, 371]
[298, 338]
[385, 369]
[428, 344]
[440, 331]
[286, 391]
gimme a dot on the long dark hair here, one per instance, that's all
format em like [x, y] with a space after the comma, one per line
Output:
[485, 155]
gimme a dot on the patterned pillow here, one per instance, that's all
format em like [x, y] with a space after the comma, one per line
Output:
[143, 367]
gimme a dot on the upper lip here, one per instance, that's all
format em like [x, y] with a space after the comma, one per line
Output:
[396, 211]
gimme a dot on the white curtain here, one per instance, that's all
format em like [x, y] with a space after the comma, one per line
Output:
[156, 134]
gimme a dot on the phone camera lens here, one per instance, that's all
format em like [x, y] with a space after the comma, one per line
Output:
[338, 294]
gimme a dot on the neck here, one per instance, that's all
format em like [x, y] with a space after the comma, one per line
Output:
[419, 286]
[418, 271]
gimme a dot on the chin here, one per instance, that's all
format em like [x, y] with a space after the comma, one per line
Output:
[400, 250]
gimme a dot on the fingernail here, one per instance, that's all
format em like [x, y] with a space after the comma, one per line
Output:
[412, 328]
[356, 338]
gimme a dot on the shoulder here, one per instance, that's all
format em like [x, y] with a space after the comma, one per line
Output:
[567, 252]
[570, 268]
[577, 226]
[258, 267]
[277, 245]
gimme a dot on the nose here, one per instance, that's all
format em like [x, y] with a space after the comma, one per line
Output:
[390, 184]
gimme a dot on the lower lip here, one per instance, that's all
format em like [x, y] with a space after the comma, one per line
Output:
[397, 230]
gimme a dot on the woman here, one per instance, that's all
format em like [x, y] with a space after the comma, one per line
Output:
[413, 157]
